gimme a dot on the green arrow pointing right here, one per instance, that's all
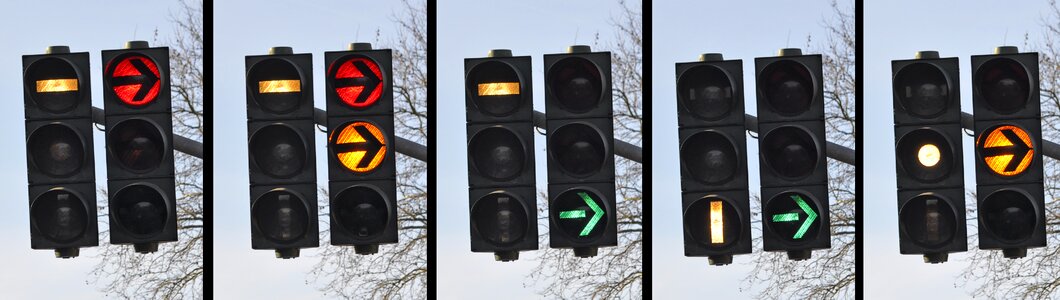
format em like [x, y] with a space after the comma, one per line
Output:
[810, 216]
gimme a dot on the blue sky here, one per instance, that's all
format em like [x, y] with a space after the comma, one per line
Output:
[31, 26]
[469, 29]
[680, 32]
[955, 29]
[242, 28]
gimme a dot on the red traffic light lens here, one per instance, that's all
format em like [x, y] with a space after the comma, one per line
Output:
[361, 211]
[278, 150]
[57, 150]
[576, 83]
[500, 218]
[787, 86]
[134, 78]
[710, 157]
[357, 80]
[790, 152]
[580, 214]
[497, 153]
[275, 85]
[1009, 214]
[137, 144]
[706, 92]
[925, 155]
[922, 90]
[281, 215]
[53, 84]
[579, 149]
[713, 222]
[59, 215]
[141, 209]
[1004, 85]
[495, 88]
[929, 220]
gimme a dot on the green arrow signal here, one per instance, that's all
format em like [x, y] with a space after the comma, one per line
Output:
[598, 214]
[792, 217]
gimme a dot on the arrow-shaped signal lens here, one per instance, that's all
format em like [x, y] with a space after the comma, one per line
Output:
[810, 216]
[717, 225]
[581, 213]
[498, 89]
[279, 86]
[56, 85]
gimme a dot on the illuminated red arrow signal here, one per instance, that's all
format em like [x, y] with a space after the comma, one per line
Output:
[135, 80]
[358, 81]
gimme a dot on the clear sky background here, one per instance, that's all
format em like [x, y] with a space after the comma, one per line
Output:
[469, 29]
[897, 30]
[30, 27]
[680, 32]
[245, 27]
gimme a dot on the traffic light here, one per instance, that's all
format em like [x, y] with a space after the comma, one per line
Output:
[791, 146]
[930, 171]
[710, 118]
[1008, 163]
[283, 195]
[500, 149]
[138, 117]
[60, 168]
[361, 170]
[580, 145]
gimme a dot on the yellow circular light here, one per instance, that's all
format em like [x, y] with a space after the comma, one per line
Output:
[929, 155]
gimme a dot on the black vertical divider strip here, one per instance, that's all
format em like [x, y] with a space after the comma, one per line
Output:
[646, 196]
[207, 143]
[432, 154]
[859, 182]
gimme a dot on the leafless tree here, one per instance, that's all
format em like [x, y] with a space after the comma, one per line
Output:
[1036, 276]
[616, 272]
[397, 271]
[829, 273]
[175, 271]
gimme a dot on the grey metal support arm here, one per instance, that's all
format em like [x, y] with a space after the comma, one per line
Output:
[180, 143]
[622, 148]
[401, 145]
[833, 150]
[1049, 149]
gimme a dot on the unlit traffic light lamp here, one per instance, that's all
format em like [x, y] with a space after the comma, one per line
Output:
[140, 166]
[283, 191]
[1008, 162]
[580, 147]
[794, 168]
[713, 157]
[500, 145]
[361, 164]
[59, 151]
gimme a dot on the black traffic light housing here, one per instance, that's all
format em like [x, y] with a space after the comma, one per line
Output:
[1008, 157]
[283, 191]
[500, 147]
[138, 116]
[580, 145]
[792, 158]
[928, 156]
[713, 149]
[360, 118]
[58, 108]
